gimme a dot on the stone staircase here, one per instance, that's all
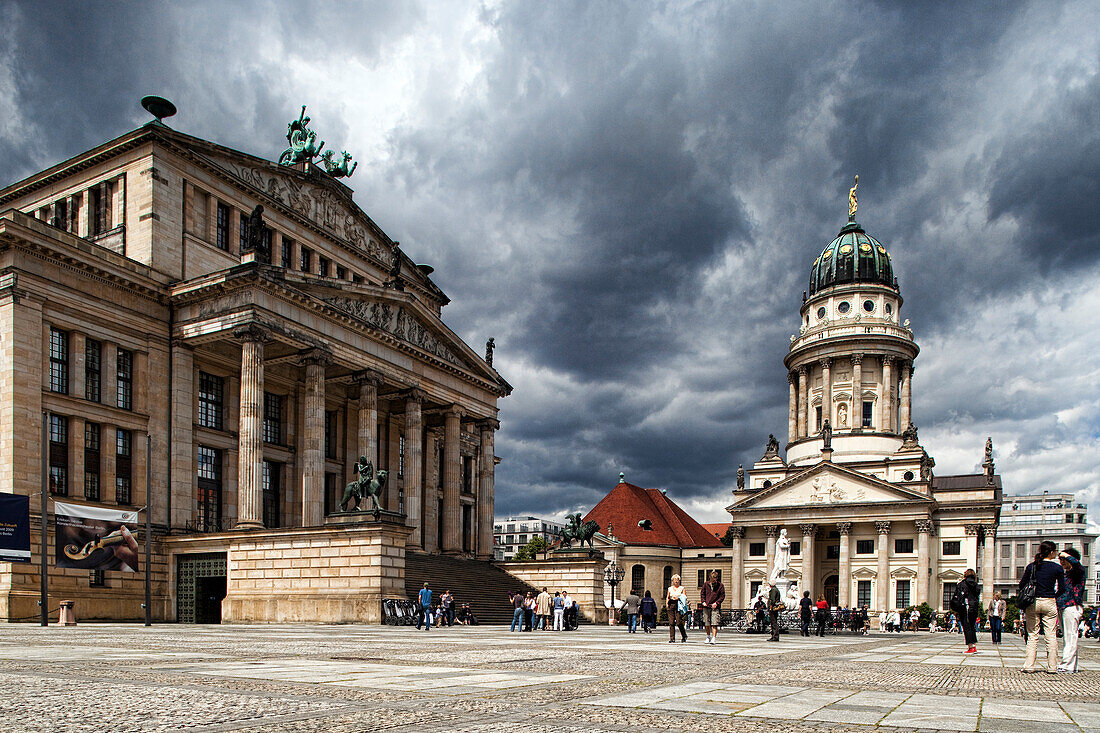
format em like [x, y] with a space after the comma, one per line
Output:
[481, 584]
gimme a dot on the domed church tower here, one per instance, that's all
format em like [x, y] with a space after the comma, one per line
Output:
[851, 362]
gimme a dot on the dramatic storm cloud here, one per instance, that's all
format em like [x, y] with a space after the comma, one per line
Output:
[628, 197]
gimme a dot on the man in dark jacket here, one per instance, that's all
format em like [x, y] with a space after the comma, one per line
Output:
[966, 604]
[806, 612]
[712, 594]
[775, 602]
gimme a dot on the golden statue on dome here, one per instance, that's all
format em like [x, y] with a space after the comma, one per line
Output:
[852, 203]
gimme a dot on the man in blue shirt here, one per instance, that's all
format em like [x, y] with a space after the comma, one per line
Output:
[425, 598]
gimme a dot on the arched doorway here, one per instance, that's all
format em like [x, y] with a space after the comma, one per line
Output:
[831, 589]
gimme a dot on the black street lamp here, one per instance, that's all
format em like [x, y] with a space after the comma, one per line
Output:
[613, 575]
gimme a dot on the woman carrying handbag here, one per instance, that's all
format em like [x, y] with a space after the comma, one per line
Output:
[1044, 580]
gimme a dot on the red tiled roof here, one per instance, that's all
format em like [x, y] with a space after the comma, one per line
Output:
[627, 504]
[718, 530]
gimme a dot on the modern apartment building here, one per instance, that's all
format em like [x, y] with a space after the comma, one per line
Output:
[512, 533]
[1028, 520]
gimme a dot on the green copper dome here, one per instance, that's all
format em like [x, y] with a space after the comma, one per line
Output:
[853, 257]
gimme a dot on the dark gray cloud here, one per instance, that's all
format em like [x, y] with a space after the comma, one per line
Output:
[628, 197]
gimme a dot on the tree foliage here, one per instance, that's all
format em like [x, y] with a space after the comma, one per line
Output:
[532, 548]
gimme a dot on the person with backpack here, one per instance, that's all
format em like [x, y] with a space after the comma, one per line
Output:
[1069, 606]
[965, 603]
[1044, 580]
[649, 613]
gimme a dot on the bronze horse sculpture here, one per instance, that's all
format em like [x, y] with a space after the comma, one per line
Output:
[367, 484]
[575, 530]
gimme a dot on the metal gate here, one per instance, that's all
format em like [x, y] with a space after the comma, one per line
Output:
[189, 569]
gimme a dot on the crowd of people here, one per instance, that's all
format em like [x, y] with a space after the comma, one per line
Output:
[543, 612]
[443, 613]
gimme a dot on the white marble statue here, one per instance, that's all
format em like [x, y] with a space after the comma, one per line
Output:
[782, 557]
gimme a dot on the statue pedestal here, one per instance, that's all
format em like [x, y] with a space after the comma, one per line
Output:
[364, 517]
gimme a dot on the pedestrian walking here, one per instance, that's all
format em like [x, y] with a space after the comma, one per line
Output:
[558, 606]
[632, 603]
[1069, 604]
[678, 607]
[516, 599]
[424, 597]
[775, 605]
[447, 604]
[822, 614]
[712, 594]
[1049, 579]
[649, 613]
[805, 610]
[996, 613]
[965, 603]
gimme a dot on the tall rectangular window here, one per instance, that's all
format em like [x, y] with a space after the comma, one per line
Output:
[93, 362]
[242, 239]
[902, 595]
[91, 461]
[125, 384]
[221, 236]
[756, 549]
[332, 495]
[59, 455]
[401, 457]
[865, 547]
[322, 267]
[868, 413]
[124, 453]
[273, 418]
[99, 205]
[903, 546]
[59, 361]
[341, 273]
[305, 262]
[287, 252]
[952, 547]
[211, 401]
[948, 591]
[332, 439]
[863, 593]
[271, 475]
[210, 489]
[817, 416]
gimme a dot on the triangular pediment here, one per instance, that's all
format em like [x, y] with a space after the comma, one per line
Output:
[864, 574]
[827, 484]
[755, 573]
[326, 203]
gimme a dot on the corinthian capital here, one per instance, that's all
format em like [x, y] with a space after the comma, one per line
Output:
[808, 530]
[844, 527]
[771, 530]
[883, 527]
[857, 359]
[925, 526]
[252, 333]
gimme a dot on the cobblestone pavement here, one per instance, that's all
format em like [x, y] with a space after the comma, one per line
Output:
[338, 679]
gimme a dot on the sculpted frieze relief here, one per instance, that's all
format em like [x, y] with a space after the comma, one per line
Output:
[317, 204]
[832, 493]
[397, 321]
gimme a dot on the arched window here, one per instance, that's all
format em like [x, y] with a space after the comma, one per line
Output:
[667, 578]
[637, 579]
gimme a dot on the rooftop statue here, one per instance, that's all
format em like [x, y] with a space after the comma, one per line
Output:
[338, 170]
[489, 346]
[256, 238]
[740, 477]
[852, 203]
[303, 142]
[772, 449]
[826, 435]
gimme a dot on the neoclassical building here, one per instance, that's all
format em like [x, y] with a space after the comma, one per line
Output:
[869, 520]
[144, 293]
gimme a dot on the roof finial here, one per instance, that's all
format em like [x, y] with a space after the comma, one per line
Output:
[622, 477]
[852, 203]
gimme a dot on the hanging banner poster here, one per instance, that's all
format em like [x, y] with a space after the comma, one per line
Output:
[89, 537]
[15, 528]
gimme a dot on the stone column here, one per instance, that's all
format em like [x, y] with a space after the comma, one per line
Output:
[844, 585]
[989, 531]
[430, 510]
[250, 451]
[368, 381]
[452, 480]
[803, 402]
[883, 594]
[486, 488]
[809, 573]
[772, 532]
[887, 395]
[737, 578]
[857, 393]
[313, 443]
[827, 391]
[414, 467]
[792, 406]
[904, 404]
[924, 565]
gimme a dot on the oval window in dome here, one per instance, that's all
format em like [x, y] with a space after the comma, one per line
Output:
[864, 247]
[827, 254]
[881, 250]
[821, 312]
[869, 306]
[845, 249]
[844, 307]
